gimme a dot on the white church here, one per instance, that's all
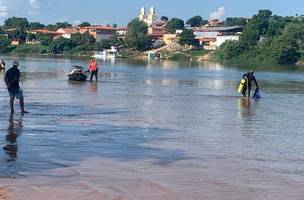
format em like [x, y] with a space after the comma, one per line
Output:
[150, 18]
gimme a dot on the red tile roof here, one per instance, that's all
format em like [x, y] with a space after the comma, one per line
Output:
[98, 27]
[123, 28]
[67, 30]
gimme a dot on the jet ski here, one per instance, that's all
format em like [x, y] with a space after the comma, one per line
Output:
[77, 73]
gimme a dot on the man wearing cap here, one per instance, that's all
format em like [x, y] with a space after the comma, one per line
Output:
[249, 77]
[12, 82]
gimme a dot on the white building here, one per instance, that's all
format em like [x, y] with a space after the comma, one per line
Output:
[213, 37]
[67, 32]
[150, 18]
[221, 39]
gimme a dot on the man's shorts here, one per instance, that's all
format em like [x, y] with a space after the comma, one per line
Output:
[18, 93]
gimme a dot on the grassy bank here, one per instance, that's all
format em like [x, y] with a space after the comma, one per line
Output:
[186, 55]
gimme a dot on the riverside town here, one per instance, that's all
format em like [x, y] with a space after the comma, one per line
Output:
[264, 37]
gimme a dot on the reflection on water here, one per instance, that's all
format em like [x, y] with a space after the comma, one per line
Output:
[244, 106]
[172, 129]
[13, 131]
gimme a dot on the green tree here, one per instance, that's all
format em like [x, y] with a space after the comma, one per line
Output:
[51, 27]
[195, 21]
[16, 22]
[114, 25]
[235, 21]
[36, 25]
[61, 45]
[103, 44]
[4, 44]
[175, 24]
[83, 39]
[137, 35]
[187, 38]
[84, 24]
[44, 39]
[164, 18]
[63, 25]
[30, 36]
[18, 34]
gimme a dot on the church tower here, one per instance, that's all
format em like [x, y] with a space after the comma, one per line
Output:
[142, 15]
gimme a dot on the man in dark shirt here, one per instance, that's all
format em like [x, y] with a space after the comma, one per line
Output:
[249, 77]
[12, 82]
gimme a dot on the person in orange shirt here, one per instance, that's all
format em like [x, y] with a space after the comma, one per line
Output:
[93, 68]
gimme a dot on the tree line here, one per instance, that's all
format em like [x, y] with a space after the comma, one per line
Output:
[267, 38]
[137, 38]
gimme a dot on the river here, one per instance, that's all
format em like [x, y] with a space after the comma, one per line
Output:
[153, 130]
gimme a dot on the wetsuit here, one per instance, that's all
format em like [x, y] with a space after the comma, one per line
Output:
[249, 77]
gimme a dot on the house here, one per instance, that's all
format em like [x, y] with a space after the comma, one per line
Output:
[121, 32]
[169, 38]
[99, 32]
[208, 43]
[51, 34]
[15, 42]
[213, 37]
[156, 29]
[215, 22]
[67, 32]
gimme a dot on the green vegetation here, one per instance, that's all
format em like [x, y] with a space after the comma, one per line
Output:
[186, 55]
[84, 24]
[4, 44]
[175, 24]
[197, 21]
[164, 18]
[187, 38]
[30, 49]
[137, 36]
[266, 38]
[235, 21]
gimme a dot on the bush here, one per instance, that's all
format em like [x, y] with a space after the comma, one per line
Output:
[31, 49]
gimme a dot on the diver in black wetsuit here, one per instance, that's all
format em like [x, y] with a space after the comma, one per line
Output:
[249, 77]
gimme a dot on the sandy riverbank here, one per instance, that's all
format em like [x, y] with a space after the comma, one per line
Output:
[3, 193]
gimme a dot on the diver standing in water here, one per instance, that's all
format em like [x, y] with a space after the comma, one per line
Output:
[249, 77]
[93, 68]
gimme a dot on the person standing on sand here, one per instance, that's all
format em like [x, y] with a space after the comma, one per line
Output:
[93, 68]
[12, 82]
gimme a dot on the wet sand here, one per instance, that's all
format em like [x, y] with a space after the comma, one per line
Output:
[3, 193]
[109, 180]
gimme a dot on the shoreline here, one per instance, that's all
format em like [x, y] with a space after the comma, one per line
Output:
[3, 193]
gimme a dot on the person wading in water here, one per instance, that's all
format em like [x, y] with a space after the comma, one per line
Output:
[12, 82]
[249, 77]
[93, 68]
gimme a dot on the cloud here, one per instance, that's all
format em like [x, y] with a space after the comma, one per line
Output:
[3, 11]
[218, 14]
[34, 7]
[34, 4]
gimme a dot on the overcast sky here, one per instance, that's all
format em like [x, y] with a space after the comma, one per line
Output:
[122, 11]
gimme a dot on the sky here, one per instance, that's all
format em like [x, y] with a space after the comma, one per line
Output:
[122, 11]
